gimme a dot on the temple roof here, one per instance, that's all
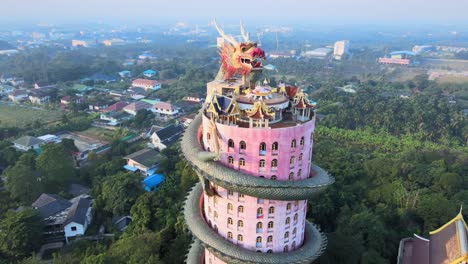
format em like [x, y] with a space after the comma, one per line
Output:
[259, 111]
[301, 102]
[222, 105]
[446, 245]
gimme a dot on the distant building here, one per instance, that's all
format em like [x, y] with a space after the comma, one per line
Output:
[423, 48]
[27, 143]
[341, 49]
[50, 139]
[80, 43]
[146, 84]
[319, 53]
[164, 108]
[6, 89]
[39, 96]
[18, 95]
[125, 74]
[146, 56]
[448, 244]
[115, 107]
[403, 62]
[115, 118]
[167, 136]
[114, 42]
[134, 107]
[193, 99]
[276, 55]
[149, 73]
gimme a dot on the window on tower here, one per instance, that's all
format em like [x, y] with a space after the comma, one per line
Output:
[260, 212]
[274, 164]
[262, 149]
[293, 143]
[230, 145]
[230, 160]
[242, 162]
[242, 147]
[302, 142]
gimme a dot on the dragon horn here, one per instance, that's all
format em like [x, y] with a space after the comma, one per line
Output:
[229, 38]
[245, 35]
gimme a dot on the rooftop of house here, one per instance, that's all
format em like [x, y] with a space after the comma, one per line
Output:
[18, 92]
[77, 212]
[144, 82]
[149, 72]
[28, 141]
[170, 134]
[164, 105]
[146, 157]
[138, 105]
[50, 204]
[116, 107]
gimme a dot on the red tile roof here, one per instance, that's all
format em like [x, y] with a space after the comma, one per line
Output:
[144, 82]
[164, 105]
[115, 107]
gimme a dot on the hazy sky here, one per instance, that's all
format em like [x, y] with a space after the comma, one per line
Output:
[314, 11]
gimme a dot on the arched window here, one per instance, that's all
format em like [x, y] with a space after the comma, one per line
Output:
[270, 239]
[287, 221]
[271, 210]
[270, 224]
[259, 211]
[288, 206]
[262, 149]
[229, 221]
[261, 164]
[300, 156]
[302, 141]
[293, 143]
[229, 207]
[286, 235]
[240, 209]
[291, 175]
[269, 251]
[208, 136]
[240, 238]
[215, 214]
[230, 192]
[291, 160]
[259, 225]
[274, 146]
[273, 177]
[299, 172]
[296, 203]
[215, 200]
[241, 195]
[242, 162]
[230, 160]
[294, 231]
[259, 239]
[230, 144]
[240, 223]
[295, 217]
[285, 249]
[242, 146]
[274, 163]
[229, 235]
[293, 245]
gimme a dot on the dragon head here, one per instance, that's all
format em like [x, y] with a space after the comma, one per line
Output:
[239, 57]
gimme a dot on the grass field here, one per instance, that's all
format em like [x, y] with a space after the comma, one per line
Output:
[14, 115]
[99, 133]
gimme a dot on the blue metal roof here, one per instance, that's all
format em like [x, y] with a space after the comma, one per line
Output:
[150, 71]
[130, 168]
[153, 181]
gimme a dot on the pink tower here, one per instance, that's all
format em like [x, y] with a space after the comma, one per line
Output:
[251, 146]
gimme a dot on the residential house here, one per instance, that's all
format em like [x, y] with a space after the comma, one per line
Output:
[78, 219]
[115, 118]
[6, 89]
[28, 143]
[166, 136]
[18, 95]
[193, 99]
[76, 189]
[39, 96]
[125, 74]
[165, 109]
[98, 106]
[115, 107]
[145, 161]
[146, 84]
[186, 120]
[17, 82]
[64, 219]
[149, 73]
[6, 78]
[40, 85]
[100, 77]
[137, 93]
[134, 107]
